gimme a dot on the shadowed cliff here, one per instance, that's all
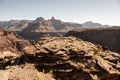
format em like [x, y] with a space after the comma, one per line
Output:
[107, 37]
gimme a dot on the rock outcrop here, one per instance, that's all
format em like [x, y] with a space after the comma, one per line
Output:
[69, 58]
[61, 26]
[107, 37]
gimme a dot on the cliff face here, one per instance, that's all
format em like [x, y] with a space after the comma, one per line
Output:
[107, 37]
[40, 26]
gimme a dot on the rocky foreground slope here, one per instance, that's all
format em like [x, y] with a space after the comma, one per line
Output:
[55, 58]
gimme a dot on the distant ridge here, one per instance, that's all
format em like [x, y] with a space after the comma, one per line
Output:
[55, 23]
[40, 27]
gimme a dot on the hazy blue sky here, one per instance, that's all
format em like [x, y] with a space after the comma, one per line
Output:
[102, 11]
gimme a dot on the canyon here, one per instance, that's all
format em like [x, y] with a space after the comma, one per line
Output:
[55, 50]
[55, 58]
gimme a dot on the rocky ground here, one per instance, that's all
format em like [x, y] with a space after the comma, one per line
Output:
[55, 58]
[23, 72]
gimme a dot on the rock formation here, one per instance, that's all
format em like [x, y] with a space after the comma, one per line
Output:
[39, 26]
[18, 26]
[69, 58]
[60, 25]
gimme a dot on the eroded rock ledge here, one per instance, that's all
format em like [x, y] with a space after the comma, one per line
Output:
[70, 58]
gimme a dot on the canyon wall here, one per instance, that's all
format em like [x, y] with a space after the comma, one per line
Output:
[107, 37]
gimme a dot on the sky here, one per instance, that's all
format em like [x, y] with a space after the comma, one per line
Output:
[80, 11]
